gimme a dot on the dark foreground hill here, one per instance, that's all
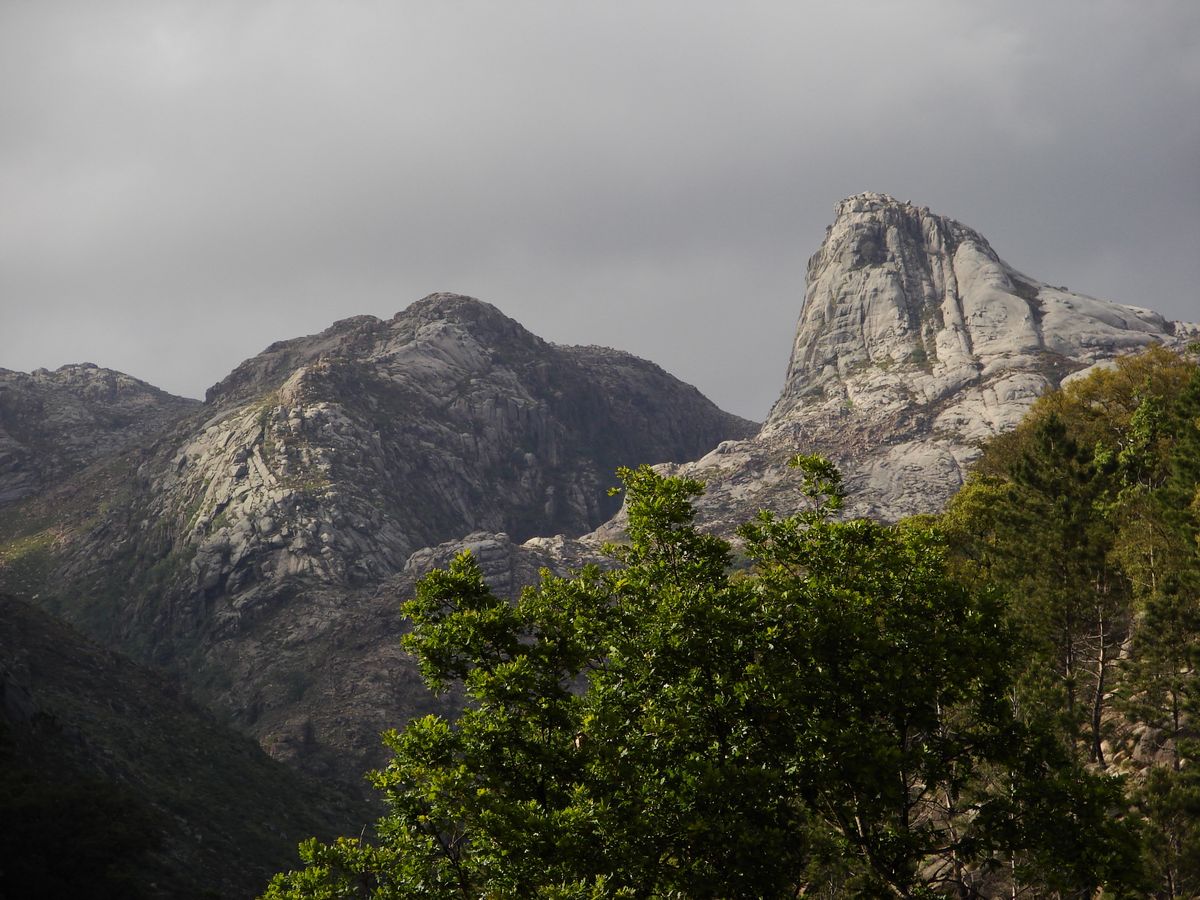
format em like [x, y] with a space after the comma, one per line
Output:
[113, 783]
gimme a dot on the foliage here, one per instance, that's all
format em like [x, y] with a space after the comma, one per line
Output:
[1088, 516]
[834, 721]
[1168, 801]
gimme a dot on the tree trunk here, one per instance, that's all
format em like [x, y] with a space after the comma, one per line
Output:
[1098, 696]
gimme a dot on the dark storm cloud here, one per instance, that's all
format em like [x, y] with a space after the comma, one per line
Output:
[184, 183]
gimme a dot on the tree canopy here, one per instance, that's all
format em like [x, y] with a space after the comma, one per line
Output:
[837, 719]
[1087, 516]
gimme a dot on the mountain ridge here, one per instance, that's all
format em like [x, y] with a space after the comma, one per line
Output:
[239, 542]
[55, 423]
[263, 541]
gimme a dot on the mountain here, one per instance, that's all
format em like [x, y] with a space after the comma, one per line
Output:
[319, 681]
[261, 543]
[52, 424]
[915, 343]
[251, 543]
[341, 454]
[115, 784]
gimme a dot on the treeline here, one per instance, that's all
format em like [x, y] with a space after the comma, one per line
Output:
[997, 702]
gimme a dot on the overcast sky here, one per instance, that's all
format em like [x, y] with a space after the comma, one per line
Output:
[182, 183]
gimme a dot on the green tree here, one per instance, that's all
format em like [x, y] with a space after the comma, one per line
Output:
[1158, 517]
[835, 720]
[1169, 802]
[1086, 515]
[917, 759]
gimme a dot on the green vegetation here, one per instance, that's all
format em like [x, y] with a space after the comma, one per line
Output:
[26, 561]
[36, 533]
[307, 485]
[1088, 516]
[837, 721]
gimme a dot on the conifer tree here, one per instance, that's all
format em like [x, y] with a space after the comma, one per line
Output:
[1099, 487]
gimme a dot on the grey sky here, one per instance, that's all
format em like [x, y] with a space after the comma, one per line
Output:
[183, 183]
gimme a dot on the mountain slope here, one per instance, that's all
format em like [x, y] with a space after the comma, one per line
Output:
[53, 424]
[263, 526]
[193, 808]
[337, 456]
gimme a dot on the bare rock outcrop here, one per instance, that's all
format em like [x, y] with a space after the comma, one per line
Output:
[318, 679]
[336, 457]
[915, 343]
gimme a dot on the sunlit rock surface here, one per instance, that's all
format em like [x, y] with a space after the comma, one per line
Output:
[915, 343]
[263, 543]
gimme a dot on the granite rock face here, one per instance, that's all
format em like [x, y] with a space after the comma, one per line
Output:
[263, 543]
[336, 457]
[915, 343]
[318, 678]
[53, 424]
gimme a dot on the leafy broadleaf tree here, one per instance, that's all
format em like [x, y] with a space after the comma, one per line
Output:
[834, 721]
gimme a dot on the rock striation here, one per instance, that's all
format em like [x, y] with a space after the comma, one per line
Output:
[53, 424]
[317, 683]
[915, 343]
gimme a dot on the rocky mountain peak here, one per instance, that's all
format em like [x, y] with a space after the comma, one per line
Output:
[444, 318]
[906, 310]
[445, 306]
[54, 423]
[915, 342]
[861, 226]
